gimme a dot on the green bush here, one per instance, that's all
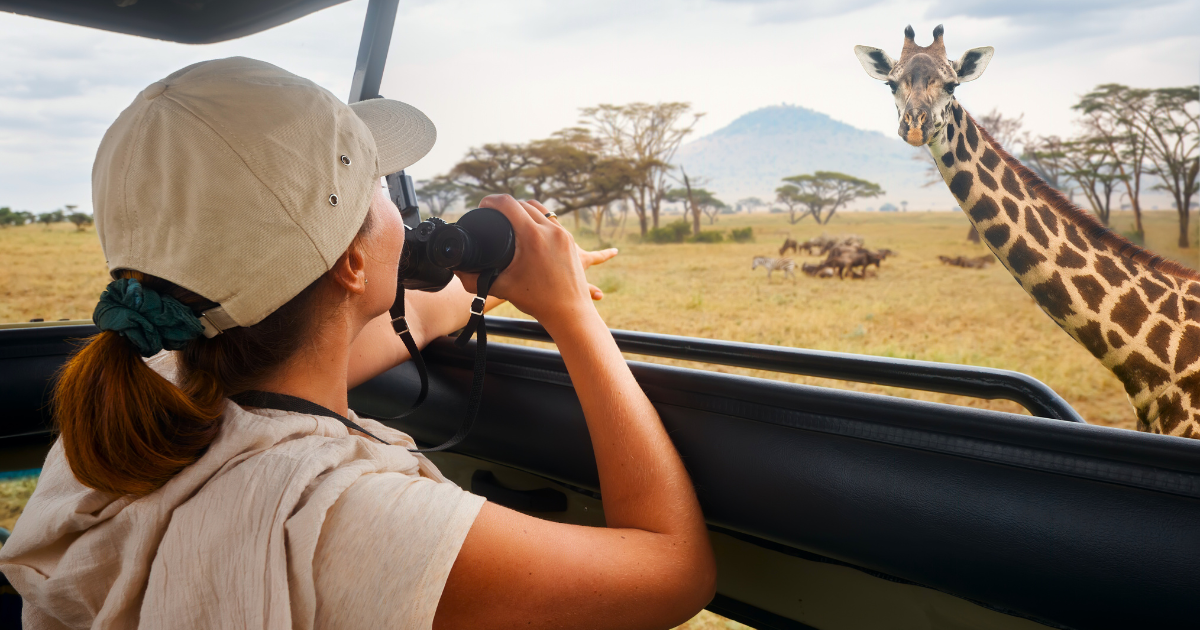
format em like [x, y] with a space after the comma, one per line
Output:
[742, 235]
[707, 236]
[673, 232]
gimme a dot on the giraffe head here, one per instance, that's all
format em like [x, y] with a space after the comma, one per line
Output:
[923, 81]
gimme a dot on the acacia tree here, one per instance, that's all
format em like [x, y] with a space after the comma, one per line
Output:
[750, 203]
[80, 219]
[794, 200]
[491, 169]
[1004, 129]
[565, 170]
[1046, 155]
[439, 194]
[646, 136]
[49, 218]
[831, 190]
[1172, 130]
[699, 200]
[1089, 164]
[1113, 114]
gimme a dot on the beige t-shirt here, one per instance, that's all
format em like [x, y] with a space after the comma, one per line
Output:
[287, 521]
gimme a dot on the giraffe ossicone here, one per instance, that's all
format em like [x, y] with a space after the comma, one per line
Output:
[1136, 312]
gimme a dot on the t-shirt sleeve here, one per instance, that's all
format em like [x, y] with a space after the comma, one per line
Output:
[386, 549]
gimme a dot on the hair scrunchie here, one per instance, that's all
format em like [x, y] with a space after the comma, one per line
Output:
[147, 319]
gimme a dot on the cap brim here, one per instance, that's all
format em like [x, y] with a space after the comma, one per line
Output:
[402, 133]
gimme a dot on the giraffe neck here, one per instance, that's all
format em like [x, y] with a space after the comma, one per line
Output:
[1135, 312]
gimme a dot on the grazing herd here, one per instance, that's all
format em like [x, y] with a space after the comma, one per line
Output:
[843, 254]
[845, 257]
[968, 263]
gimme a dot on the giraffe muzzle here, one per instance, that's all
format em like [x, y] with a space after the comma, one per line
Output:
[914, 127]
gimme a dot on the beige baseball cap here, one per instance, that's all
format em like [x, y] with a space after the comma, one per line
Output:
[244, 183]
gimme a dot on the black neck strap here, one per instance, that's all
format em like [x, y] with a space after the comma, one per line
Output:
[283, 402]
[475, 326]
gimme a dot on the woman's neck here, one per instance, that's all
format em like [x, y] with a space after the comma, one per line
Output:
[318, 372]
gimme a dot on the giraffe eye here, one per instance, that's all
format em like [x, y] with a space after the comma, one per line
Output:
[892, 85]
[950, 87]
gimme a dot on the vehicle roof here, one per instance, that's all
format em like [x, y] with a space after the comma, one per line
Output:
[185, 21]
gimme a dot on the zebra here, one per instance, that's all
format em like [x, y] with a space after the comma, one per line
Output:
[786, 265]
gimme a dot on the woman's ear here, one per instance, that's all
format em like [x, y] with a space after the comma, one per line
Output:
[350, 270]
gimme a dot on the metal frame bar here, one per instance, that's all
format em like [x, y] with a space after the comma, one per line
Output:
[373, 49]
[977, 382]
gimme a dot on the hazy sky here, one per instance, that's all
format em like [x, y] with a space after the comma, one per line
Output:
[492, 70]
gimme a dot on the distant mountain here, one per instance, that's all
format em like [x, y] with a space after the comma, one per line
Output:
[750, 155]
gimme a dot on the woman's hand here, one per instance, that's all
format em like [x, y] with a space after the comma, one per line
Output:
[545, 278]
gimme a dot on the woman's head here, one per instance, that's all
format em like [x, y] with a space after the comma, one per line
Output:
[249, 199]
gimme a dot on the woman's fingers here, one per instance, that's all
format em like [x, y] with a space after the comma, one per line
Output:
[595, 257]
[597, 294]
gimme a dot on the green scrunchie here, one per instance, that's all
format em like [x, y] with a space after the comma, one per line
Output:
[147, 319]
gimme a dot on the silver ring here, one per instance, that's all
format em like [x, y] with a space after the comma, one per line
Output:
[551, 215]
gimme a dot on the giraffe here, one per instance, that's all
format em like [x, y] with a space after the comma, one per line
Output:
[1134, 311]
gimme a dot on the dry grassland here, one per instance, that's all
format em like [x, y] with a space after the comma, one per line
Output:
[914, 307]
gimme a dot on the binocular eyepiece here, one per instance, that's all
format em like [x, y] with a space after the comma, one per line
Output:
[482, 239]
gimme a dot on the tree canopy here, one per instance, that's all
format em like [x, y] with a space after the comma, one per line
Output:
[824, 192]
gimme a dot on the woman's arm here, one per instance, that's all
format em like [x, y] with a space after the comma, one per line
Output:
[378, 349]
[652, 567]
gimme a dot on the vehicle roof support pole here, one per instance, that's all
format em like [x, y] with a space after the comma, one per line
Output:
[373, 49]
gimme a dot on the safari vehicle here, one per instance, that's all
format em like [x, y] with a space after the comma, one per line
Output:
[827, 508]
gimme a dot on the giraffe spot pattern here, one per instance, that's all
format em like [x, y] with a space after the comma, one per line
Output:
[1090, 336]
[1159, 340]
[1069, 258]
[1138, 373]
[1109, 271]
[997, 235]
[1115, 340]
[1191, 310]
[960, 151]
[960, 185]
[1163, 280]
[1171, 412]
[988, 180]
[1074, 237]
[1153, 291]
[972, 135]
[1054, 298]
[1170, 308]
[1035, 229]
[958, 114]
[1188, 351]
[1128, 265]
[1090, 290]
[1191, 385]
[1130, 313]
[1010, 206]
[1194, 289]
[1049, 219]
[948, 159]
[989, 159]
[1010, 183]
[984, 209]
[1022, 257]
[949, 130]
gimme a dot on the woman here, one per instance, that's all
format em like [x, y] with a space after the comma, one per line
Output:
[253, 251]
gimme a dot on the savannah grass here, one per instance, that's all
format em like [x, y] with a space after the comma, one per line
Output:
[913, 308]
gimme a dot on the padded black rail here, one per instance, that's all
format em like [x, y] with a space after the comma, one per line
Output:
[977, 382]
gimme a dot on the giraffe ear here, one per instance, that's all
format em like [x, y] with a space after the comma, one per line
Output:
[876, 62]
[972, 64]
